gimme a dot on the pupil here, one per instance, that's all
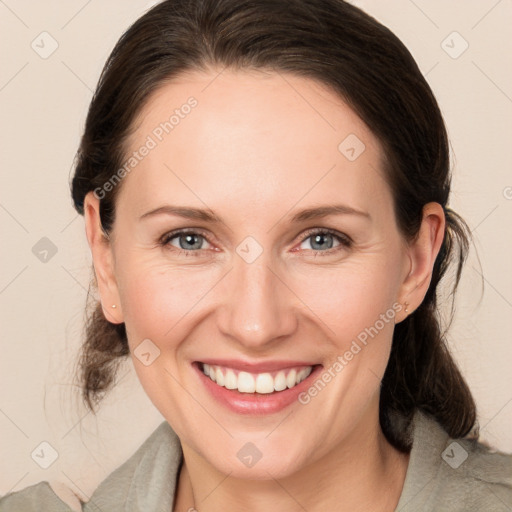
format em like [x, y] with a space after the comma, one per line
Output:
[189, 240]
[318, 238]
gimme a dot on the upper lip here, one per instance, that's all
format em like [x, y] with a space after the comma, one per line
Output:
[257, 367]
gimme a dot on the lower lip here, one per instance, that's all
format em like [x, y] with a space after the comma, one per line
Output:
[255, 403]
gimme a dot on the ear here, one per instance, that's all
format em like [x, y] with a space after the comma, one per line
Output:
[422, 253]
[102, 255]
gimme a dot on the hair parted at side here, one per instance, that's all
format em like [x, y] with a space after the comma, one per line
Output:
[339, 45]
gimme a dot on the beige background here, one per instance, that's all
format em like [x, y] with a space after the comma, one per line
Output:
[43, 106]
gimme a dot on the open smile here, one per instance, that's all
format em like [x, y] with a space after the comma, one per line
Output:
[245, 390]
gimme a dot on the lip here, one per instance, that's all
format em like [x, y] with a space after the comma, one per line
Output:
[255, 403]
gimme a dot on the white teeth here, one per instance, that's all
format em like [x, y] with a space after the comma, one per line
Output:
[246, 383]
[230, 381]
[262, 383]
[303, 374]
[219, 377]
[291, 379]
[280, 382]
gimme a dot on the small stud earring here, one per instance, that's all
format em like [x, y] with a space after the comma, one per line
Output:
[406, 304]
[114, 306]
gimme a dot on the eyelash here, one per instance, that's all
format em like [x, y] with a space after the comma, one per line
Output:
[345, 241]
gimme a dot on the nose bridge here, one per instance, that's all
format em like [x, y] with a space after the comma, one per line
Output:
[257, 307]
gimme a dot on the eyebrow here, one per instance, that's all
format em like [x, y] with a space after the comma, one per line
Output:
[301, 216]
[324, 211]
[186, 212]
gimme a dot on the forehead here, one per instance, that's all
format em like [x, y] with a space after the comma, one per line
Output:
[249, 137]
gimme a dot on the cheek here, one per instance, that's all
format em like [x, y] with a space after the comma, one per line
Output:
[351, 297]
[156, 298]
[161, 304]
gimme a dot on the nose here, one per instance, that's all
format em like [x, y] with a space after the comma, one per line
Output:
[257, 306]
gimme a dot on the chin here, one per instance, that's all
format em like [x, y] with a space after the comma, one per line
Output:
[258, 459]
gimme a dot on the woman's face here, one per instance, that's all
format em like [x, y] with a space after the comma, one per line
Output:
[304, 269]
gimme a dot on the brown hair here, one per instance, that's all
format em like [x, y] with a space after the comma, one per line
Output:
[339, 45]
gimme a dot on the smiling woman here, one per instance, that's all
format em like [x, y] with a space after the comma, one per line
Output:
[271, 262]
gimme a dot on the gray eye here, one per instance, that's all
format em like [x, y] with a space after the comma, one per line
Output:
[320, 241]
[188, 241]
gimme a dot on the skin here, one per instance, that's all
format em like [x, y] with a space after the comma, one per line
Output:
[258, 148]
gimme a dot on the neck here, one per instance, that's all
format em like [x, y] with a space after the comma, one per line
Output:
[363, 473]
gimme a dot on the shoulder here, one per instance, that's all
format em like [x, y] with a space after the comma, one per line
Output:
[453, 475]
[486, 474]
[35, 498]
[153, 466]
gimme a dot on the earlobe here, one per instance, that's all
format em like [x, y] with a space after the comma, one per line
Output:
[422, 252]
[103, 261]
